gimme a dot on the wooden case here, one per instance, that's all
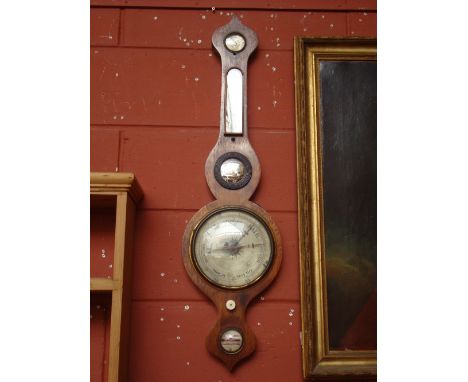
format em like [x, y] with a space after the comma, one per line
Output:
[121, 193]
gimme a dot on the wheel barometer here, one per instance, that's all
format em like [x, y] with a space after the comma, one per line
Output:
[231, 247]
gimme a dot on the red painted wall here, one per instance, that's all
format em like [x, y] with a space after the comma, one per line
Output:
[155, 92]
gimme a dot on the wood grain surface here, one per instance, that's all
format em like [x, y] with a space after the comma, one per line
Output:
[242, 297]
[155, 112]
[100, 305]
[102, 226]
[159, 273]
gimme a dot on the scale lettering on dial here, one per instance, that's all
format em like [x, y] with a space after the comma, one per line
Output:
[232, 248]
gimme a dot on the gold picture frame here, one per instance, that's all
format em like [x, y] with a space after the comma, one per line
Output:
[319, 362]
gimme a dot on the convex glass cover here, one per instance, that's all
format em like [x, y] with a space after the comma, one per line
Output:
[232, 248]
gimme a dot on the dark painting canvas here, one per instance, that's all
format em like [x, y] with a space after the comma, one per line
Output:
[348, 131]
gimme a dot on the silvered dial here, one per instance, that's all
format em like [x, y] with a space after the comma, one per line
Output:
[235, 42]
[232, 248]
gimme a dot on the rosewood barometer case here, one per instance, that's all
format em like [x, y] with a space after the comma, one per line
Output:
[231, 247]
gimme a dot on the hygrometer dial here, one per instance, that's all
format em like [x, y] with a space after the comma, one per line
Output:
[235, 42]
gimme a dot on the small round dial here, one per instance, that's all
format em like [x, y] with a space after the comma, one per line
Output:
[232, 248]
[235, 42]
[231, 341]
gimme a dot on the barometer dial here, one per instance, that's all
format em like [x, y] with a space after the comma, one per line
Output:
[232, 248]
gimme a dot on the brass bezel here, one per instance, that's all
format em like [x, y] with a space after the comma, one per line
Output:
[194, 233]
[318, 360]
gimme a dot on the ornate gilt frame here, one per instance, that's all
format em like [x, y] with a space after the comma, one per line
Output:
[318, 361]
